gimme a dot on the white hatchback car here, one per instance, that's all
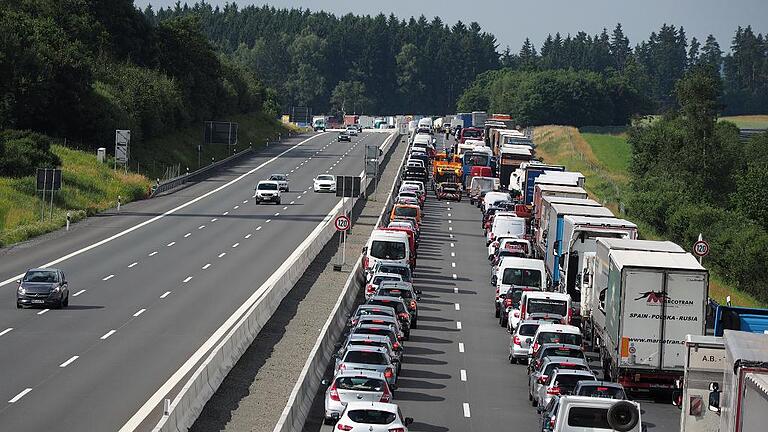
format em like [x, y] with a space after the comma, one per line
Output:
[372, 417]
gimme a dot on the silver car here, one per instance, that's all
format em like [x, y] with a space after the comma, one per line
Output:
[354, 386]
[373, 340]
[368, 359]
[376, 279]
[521, 341]
[282, 181]
[562, 382]
[541, 377]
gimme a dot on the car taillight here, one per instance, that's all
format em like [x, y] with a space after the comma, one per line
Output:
[507, 302]
[553, 391]
[569, 316]
[552, 422]
[397, 429]
[516, 314]
[369, 289]
[366, 261]
[396, 345]
[413, 304]
[342, 367]
[535, 347]
[542, 379]
[403, 315]
[343, 427]
[388, 373]
[386, 396]
[334, 393]
[516, 340]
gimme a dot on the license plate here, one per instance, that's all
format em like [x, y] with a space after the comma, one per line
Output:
[38, 301]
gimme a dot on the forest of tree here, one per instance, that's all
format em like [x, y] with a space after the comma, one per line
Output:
[384, 64]
[641, 79]
[79, 69]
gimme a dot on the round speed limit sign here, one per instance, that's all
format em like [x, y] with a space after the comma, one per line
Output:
[701, 248]
[342, 223]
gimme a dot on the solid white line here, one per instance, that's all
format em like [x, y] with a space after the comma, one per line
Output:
[171, 244]
[201, 227]
[466, 410]
[132, 265]
[463, 374]
[165, 294]
[187, 279]
[6, 331]
[205, 267]
[457, 306]
[187, 235]
[214, 220]
[248, 236]
[158, 217]
[108, 277]
[20, 395]
[236, 245]
[108, 334]
[139, 312]
[69, 362]
[458, 325]
[453, 264]
[78, 293]
[222, 254]
[258, 228]
[461, 347]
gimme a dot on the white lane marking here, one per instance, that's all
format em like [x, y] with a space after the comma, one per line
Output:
[165, 294]
[245, 201]
[268, 221]
[158, 217]
[463, 374]
[214, 220]
[205, 267]
[108, 277]
[466, 410]
[153, 253]
[454, 276]
[139, 312]
[222, 254]
[299, 197]
[457, 306]
[453, 264]
[453, 254]
[461, 347]
[292, 171]
[453, 245]
[248, 236]
[235, 207]
[8, 330]
[449, 215]
[285, 208]
[78, 293]
[449, 209]
[20, 395]
[201, 227]
[258, 228]
[69, 362]
[450, 221]
[225, 213]
[132, 265]
[187, 279]
[292, 202]
[305, 191]
[450, 235]
[171, 244]
[450, 228]
[108, 334]
[458, 325]
[236, 245]
[187, 235]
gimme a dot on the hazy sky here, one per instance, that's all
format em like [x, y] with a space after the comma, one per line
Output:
[514, 20]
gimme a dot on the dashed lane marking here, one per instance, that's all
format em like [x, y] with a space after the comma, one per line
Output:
[454, 276]
[139, 312]
[78, 293]
[268, 221]
[453, 245]
[236, 245]
[457, 306]
[225, 213]
[171, 244]
[187, 279]
[108, 277]
[453, 254]
[6, 331]
[187, 235]
[108, 334]
[258, 228]
[235, 207]
[20, 395]
[463, 374]
[201, 227]
[248, 236]
[453, 264]
[214, 220]
[69, 362]
[165, 294]
[458, 325]
[132, 265]
[153, 253]
[222, 254]
[461, 347]
[466, 410]
[285, 208]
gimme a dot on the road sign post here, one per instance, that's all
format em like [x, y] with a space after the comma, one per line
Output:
[122, 143]
[342, 224]
[700, 248]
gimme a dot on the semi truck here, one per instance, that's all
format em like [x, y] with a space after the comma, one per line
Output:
[319, 123]
[479, 118]
[651, 301]
[742, 400]
[509, 161]
[727, 317]
[541, 216]
[526, 175]
[704, 363]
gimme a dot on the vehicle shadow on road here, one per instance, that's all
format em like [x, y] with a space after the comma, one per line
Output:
[426, 427]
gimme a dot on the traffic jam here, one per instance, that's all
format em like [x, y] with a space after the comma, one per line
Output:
[569, 282]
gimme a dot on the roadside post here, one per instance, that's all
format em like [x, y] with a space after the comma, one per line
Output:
[701, 248]
[342, 224]
[69, 218]
[119, 201]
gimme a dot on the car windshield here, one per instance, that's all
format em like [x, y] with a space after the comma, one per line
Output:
[522, 277]
[325, 177]
[371, 416]
[389, 250]
[477, 159]
[471, 133]
[396, 305]
[404, 272]
[600, 391]
[589, 418]
[528, 329]
[395, 292]
[563, 352]
[41, 276]
[367, 357]
[508, 226]
[567, 382]
[267, 186]
[377, 280]
[277, 177]
[359, 384]
[484, 184]
[555, 337]
[406, 211]
[561, 365]
[557, 307]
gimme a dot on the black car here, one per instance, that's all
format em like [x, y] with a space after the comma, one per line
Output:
[343, 136]
[43, 287]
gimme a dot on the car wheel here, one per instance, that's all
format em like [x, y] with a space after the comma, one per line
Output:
[287, 189]
[497, 313]
[414, 323]
[534, 402]
[329, 421]
[18, 305]
[277, 202]
[66, 301]
[512, 359]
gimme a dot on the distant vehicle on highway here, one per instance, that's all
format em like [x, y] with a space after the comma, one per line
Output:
[372, 417]
[43, 287]
[324, 183]
[344, 136]
[352, 130]
[267, 190]
[282, 181]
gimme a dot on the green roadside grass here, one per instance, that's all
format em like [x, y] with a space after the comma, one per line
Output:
[748, 121]
[604, 159]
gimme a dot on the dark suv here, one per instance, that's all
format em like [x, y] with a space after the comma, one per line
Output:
[43, 287]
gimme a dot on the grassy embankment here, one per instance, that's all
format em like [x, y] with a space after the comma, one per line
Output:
[604, 159]
[748, 121]
[89, 187]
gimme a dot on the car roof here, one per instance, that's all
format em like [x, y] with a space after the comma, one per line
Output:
[367, 348]
[359, 373]
[359, 337]
[600, 384]
[387, 274]
[563, 359]
[267, 182]
[530, 322]
[379, 406]
[392, 263]
[571, 372]
[382, 297]
[43, 269]
[560, 328]
[401, 285]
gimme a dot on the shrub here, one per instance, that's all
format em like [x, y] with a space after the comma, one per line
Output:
[22, 152]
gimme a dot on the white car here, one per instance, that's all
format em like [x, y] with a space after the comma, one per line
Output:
[372, 417]
[282, 181]
[325, 183]
[267, 190]
[581, 413]
[352, 130]
[353, 386]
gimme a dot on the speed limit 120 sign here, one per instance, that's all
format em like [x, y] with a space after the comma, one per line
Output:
[701, 248]
[342, 223]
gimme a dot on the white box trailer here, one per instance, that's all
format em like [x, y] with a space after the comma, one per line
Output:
[580, 234]
[541, 191]
[541, 216]
[366, 122]
[652, 301]
[704, 363]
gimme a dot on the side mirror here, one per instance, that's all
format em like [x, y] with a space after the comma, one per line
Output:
[364, 250]
[18, 281]
[494, 280]
[540, 409]
[408, 421]
[714, 397]
[324, 382]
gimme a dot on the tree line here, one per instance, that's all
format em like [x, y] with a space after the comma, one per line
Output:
[378, 64]
[635, 80]
[79, 69]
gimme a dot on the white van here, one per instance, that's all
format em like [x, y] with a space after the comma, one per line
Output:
[546, 306]
[386, 245]
[513, 272]
[491, 198]
[506, 224]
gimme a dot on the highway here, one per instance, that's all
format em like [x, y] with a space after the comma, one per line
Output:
[149, 285]
[455, 374]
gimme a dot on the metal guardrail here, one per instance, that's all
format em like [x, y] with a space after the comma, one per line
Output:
[747, 134]
[175, 182]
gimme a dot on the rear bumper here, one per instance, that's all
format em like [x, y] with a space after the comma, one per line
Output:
[646, 381]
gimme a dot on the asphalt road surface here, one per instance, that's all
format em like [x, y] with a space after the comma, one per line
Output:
[143, 301]
[456, 375]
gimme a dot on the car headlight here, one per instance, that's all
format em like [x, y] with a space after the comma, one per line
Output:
[22, 291]
[57, 289]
